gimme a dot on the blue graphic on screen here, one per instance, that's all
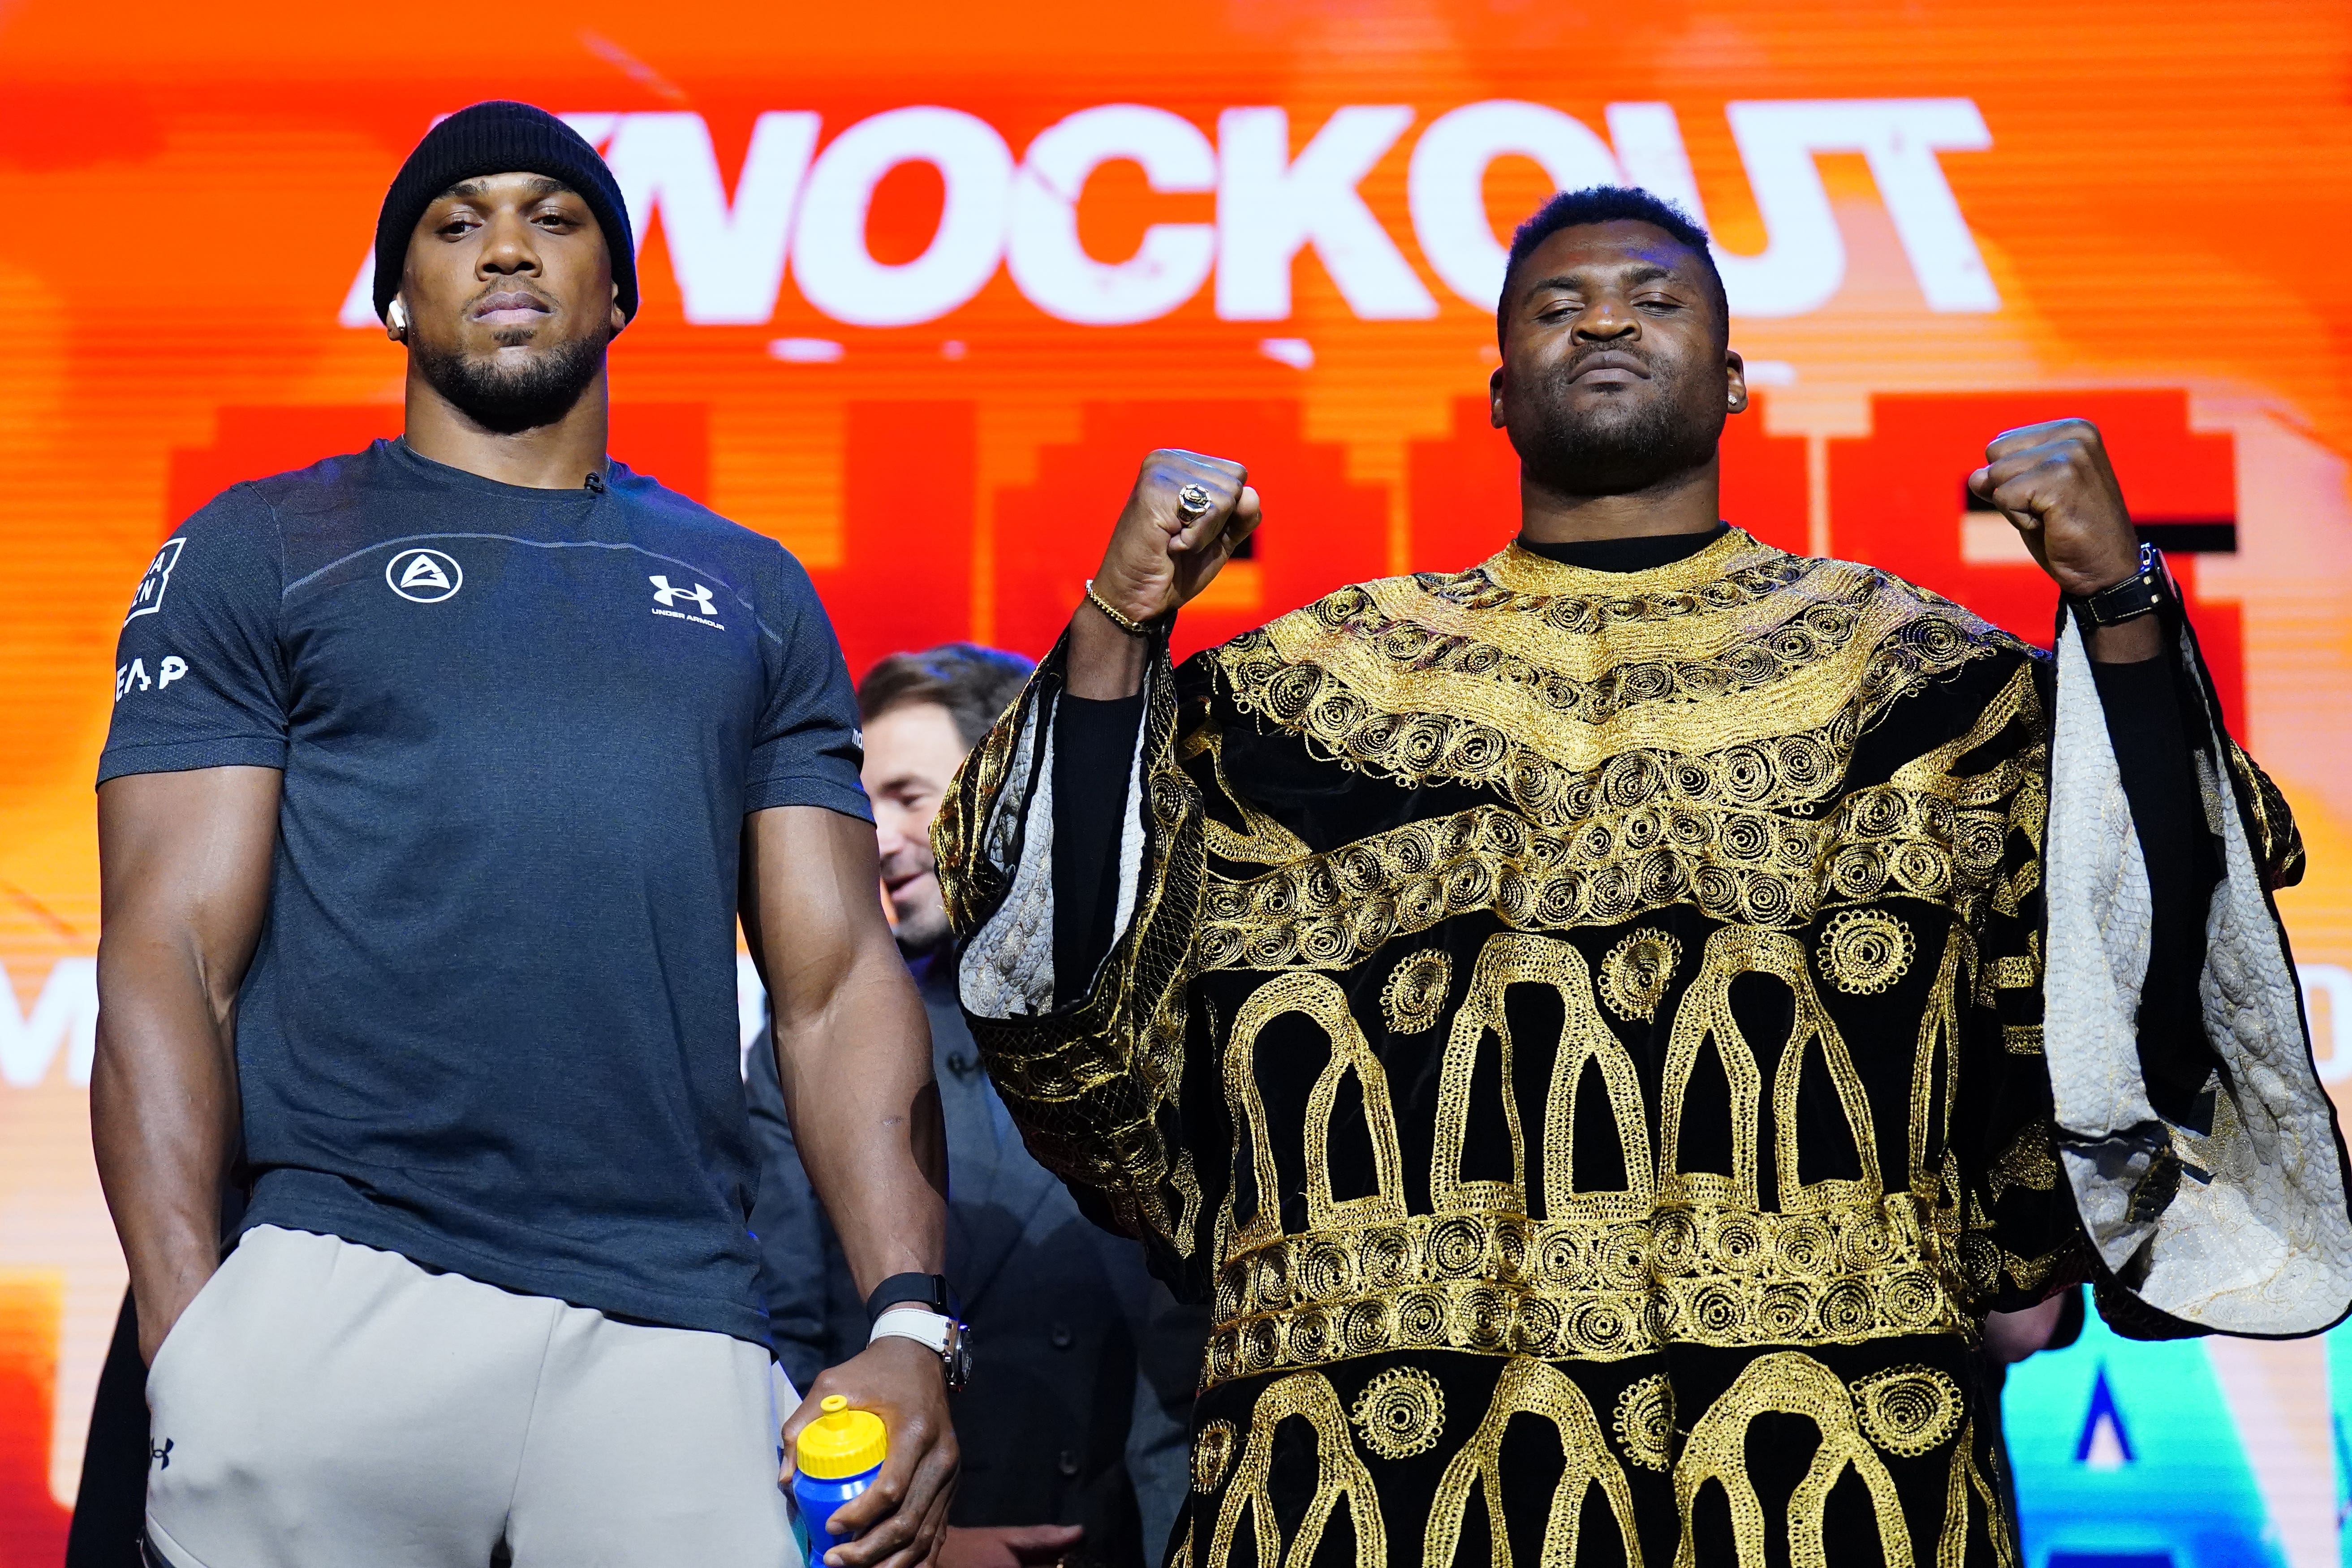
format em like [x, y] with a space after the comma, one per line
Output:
[2126, 1456]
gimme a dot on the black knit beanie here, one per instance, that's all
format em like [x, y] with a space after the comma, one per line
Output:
[498, 138]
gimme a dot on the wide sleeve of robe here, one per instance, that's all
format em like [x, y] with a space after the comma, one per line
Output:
[2232, 1218]
[1096, 1086]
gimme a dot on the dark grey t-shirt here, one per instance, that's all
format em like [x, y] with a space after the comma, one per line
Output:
[491, 1023]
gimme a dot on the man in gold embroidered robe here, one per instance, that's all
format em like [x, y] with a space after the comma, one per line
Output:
[1604, 1026]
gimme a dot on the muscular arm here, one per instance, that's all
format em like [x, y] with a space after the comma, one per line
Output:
[853, 1045]
[853, 1059]
[184, 860]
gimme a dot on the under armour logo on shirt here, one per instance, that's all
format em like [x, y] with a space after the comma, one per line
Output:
[163, 1453]
[698, 595]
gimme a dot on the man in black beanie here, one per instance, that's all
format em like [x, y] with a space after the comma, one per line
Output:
[439, 774]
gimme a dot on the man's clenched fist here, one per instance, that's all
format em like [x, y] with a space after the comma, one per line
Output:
[1156, 558]
[2054, 484]
[1157, 561]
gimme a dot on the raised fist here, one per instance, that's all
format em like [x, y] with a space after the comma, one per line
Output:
[1158, 556]
[2054, 484]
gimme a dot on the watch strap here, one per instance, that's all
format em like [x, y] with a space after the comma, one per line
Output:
[920, 1324]
[929, 1291]
[2139, 594]
[936, 1332]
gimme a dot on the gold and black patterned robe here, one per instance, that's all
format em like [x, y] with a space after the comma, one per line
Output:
[1603, 1040]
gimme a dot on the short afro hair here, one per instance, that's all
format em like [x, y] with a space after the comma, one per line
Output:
[1612, 203]
[974, 684]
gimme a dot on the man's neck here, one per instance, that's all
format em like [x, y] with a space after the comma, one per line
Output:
[1687, 502]
[556, 456]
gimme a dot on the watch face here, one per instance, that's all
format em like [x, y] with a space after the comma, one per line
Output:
[958, 1356]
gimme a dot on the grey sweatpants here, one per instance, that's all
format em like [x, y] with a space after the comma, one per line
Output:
[322, 1405]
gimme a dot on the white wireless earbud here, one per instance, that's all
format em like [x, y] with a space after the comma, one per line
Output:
[397, 317]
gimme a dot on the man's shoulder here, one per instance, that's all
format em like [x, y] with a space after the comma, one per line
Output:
[1900, 608]
[328, 482]
[676, 518]
[331, 482]
[674, 508]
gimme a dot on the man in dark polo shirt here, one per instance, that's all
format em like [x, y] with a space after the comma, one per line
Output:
[438, 776]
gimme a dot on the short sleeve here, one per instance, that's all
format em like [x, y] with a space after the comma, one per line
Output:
[809, 750]
[198, 679]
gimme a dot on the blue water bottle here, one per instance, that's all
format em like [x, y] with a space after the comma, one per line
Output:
[841, 1453]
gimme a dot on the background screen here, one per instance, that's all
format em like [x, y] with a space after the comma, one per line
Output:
[922, 281]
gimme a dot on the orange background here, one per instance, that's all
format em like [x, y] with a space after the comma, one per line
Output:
[2165, 209]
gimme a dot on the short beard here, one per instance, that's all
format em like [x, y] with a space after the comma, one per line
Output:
[511, 399]
[924, 932]
[1609, 452]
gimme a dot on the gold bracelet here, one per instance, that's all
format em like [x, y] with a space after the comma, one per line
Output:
[1112, 613]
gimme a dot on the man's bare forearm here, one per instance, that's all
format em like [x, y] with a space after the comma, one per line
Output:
[184, 861]
[164, 1119]
[1105, 663]
[857, 1084]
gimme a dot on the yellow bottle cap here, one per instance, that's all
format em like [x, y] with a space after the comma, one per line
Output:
[842, 1441]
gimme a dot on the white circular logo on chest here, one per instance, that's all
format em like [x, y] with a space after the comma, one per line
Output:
[424, 576]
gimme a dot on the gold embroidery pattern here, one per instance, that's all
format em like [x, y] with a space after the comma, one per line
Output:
[1261, 841]
[1340, 1477]
[2278, 843]
[1645, 1421]
[1400, 1413]
[1213, 1450]
[2033, 1273]
[1736, 865]
[1424, 678]
[1600, 1290]
[1787, 1382]
[1908, 1410]
[1936, 1058]
[2031, 1162]
[1864, 951]
[1508, 958]
[1320, 999]
[1952, 1545]
[1704, 1019]
[1635, 973]
[1732, 573]
[1531, 1388]
[1414, 995]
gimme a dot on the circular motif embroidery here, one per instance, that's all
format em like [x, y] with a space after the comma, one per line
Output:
[1213, 1450]
[1415, 993]
[1399, 1413]
[1634, 974]
[1908, 1410]
[1645, 1421]
[1866, 951]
